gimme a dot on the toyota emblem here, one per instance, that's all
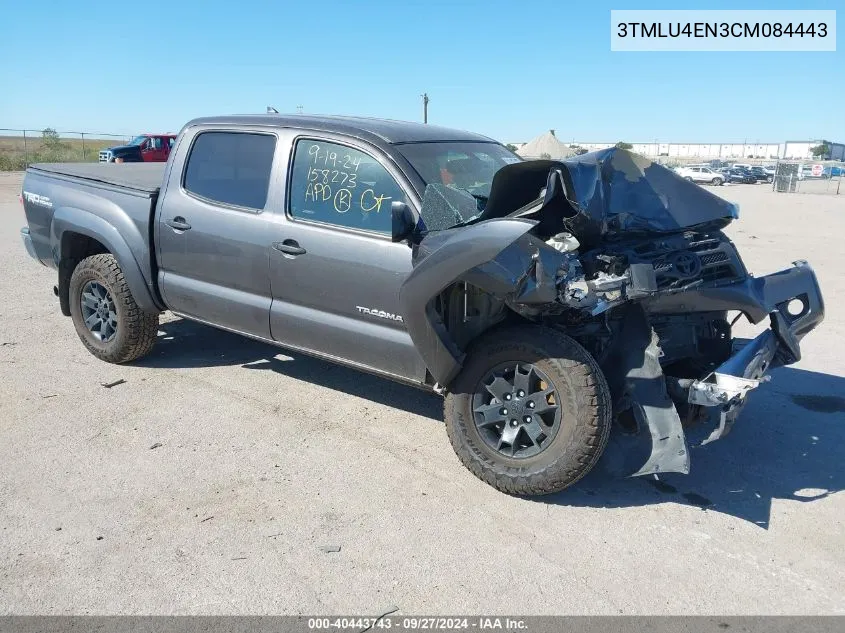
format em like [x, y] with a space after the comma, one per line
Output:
[687, 265]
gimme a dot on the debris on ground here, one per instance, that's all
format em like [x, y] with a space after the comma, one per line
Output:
[156, 445]
[329, 549]
[207, 519]
[109, 385]
[387, 611]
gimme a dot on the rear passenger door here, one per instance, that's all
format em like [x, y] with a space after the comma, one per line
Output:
[335, 273]
[213, 233]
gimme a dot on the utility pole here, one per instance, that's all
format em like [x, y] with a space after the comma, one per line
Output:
[425, 106]
[299, 109]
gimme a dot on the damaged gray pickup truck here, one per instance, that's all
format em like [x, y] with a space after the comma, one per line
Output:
[548, 301]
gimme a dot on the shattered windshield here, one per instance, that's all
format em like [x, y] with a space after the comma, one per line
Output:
[458, 176]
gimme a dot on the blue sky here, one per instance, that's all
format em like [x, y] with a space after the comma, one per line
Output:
[504, 68]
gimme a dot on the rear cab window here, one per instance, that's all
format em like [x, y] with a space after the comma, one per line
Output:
[338, 185]
[230, 168]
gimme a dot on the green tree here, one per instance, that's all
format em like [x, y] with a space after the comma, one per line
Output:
[624, 145]
[820, 151]
[511, 147]
[50, 137]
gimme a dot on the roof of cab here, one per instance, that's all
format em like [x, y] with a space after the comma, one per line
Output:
[386, 130]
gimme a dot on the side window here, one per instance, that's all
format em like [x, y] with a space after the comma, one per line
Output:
[231, 168]
[339, 185]
[155, 143]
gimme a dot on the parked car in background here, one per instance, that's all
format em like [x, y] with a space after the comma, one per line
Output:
[701, 175]
[146, 148]
[833, 171]
[737, 174]
[761, 175]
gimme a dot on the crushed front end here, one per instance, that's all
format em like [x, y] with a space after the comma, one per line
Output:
[631, 261]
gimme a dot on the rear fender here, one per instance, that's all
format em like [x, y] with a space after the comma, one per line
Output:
[71, 219]
[498, 256]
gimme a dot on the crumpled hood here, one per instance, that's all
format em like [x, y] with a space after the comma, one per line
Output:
[610, 194]
[619, 191]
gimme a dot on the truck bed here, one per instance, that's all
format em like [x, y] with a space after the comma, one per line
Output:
[141, 177]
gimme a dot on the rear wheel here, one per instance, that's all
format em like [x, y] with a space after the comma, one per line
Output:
[716, 181]
[530, 412]
[104, 313]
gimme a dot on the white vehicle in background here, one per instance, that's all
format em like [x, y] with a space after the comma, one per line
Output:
[701, 174]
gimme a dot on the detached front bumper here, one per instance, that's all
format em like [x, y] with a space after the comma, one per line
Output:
[793, 300]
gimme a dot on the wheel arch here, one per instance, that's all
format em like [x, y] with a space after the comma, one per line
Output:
[77, 234]
[459, 259]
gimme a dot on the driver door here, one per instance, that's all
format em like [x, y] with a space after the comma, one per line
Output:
[153, 150]
[335, 274]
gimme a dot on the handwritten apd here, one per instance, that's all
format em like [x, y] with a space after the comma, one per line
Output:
[327, 169]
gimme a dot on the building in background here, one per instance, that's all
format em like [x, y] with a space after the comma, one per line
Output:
[804, 149]
[769, 151]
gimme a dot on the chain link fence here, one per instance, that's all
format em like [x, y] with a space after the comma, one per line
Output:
[825, 177]
[21, 148]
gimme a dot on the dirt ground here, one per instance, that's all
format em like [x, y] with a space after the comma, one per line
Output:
[211, 480]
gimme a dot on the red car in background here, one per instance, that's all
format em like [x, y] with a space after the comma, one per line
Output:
[146, 148]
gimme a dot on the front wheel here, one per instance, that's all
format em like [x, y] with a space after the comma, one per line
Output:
[107, 320]
[716, 181]
[530, 412]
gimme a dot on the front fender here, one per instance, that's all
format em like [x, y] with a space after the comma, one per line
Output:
[86, 223]
[455, 253]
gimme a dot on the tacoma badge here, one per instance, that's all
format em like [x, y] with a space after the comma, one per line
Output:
[380, 313]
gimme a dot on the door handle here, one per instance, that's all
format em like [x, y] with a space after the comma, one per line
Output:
[289, 247]
[178, 223]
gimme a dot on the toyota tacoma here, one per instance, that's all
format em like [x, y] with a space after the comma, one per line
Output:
[547, 301]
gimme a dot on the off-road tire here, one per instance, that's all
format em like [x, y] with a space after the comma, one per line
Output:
[136, 329]
[585, 407]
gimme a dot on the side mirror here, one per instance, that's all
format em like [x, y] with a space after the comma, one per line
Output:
[402, 220]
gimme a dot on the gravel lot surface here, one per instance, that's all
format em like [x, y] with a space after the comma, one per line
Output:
[211, 480]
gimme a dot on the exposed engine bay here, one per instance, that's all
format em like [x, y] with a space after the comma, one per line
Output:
[628, 259]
